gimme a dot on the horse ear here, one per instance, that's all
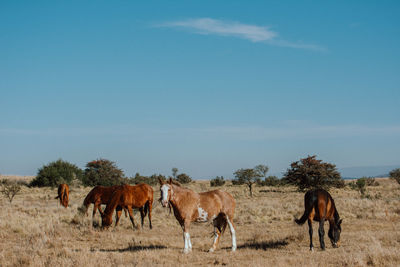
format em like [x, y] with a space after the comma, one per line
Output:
[161, 181]
[170, 180]
[340, 222]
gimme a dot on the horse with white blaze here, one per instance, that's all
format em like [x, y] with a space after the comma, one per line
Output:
[188, 206]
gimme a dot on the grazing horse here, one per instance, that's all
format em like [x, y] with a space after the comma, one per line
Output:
[216, 206]
[319, 206]
[127, 197]
[63, 194]
[99, 195]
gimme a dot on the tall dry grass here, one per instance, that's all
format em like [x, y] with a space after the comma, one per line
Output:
[36, 231]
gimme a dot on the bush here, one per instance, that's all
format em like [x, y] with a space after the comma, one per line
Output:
[269, 181]
[183, 178]
[102, 172]
[217, 181]
[310, 173]
[152, 180]
[55, 173]
[9, 189]
[395, 175]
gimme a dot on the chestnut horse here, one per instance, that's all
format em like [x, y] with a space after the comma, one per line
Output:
[319, 206]
[63, 194]
[127, 197]
[216, 206]
[99, 195]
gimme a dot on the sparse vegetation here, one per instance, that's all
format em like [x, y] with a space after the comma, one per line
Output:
[247, 177]
[266, 234]
[270, 181]
[217, 181]
[310, 173]
[151, 180]
[102, 172]
[183, 178]
[395, 175]
[9, 189]
[55, 173]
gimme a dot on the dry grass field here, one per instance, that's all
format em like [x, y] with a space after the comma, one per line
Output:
[36, 231]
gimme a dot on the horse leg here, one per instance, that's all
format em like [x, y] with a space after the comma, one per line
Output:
[142, 214]
[149, 207]
[233, 232]
[95, 207]
[217, 235]
[310, 231]
[186, 238]
[321, 233]
[118, 212]
[131, 216]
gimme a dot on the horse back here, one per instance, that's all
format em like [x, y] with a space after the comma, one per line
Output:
[217, 201]
[136, 195]
[323, 204]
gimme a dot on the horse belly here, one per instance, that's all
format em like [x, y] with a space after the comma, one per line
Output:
[202, 215]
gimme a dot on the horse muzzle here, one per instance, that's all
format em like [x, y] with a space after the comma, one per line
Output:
[164, 203]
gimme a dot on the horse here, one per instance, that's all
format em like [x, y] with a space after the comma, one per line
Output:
[188, 206]
[99, 195]
[127, 197]
[63, 194]
[320, 206]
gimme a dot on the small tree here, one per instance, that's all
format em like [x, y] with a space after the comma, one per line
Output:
[183, 178]
[217, 181]
[55, 173]
[152, 180]
[9, 189]
[247, 177]
[310, 173]
[102, 172]
[395, 175]
[174, 172]
[361, 185]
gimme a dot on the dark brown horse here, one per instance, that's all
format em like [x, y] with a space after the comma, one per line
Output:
[216, 206]
[319, 206]
[63, 194]
[127, 197]
[97, 196]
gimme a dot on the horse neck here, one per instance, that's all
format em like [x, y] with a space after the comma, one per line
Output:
[177, 196]
[112, 204]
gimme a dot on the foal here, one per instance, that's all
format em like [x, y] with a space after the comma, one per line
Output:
[216, 206]
[319, 206]
[63, 194]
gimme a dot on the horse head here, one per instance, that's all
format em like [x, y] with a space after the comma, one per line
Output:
[165, 192]
[334, 233]
[106, 221]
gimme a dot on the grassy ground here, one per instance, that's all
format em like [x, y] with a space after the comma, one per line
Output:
[35, 230]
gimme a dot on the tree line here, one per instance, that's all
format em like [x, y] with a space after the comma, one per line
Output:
[307, 173]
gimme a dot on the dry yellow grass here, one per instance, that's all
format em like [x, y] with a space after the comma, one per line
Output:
[35, 230]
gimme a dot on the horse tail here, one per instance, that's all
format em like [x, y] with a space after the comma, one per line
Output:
[308, 205]
[146, 208]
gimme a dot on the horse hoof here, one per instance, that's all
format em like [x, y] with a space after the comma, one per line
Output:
[186, 251]
[211, 250]
[312, 249]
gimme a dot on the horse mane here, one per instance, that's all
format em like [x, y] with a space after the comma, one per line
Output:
[113, 203]
[175, 183]
[336, 213]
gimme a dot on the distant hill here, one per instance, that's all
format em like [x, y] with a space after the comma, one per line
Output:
[369, 171]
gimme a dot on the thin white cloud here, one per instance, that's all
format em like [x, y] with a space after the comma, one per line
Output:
[249, 32]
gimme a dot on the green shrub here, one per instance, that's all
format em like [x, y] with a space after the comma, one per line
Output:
[310, 173]
[55, 173]
[395, 175]
[102, 172]
[183, 178]
[151, 180]
[217, 181]
[270, 181]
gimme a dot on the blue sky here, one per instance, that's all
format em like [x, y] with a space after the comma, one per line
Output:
[205, 86]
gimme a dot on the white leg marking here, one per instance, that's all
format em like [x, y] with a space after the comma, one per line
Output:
[186, 238]
[233, 233]
[215, 240]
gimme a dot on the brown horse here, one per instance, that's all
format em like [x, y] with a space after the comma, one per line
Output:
[319, 206]
[216, 206]
[127, 197]
[99, 195]
[63, 194]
